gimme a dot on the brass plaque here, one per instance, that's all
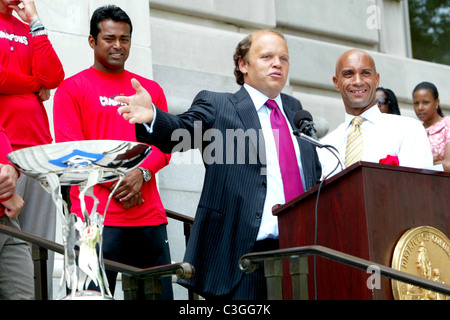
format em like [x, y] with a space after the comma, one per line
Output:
[425, 252]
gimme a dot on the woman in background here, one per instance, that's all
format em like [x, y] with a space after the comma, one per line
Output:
[427, 108]
[387, 101]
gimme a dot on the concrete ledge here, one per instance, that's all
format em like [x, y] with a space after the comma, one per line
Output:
[241, 12]
[350, 20]
[182, 85]
[401, 75]
[188, 46]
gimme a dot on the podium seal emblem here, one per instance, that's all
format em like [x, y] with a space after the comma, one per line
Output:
[425, 252]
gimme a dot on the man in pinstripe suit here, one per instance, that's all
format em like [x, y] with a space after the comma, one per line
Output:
[234, 215]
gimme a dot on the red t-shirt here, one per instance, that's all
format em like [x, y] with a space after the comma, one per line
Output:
[27, 64]
[84, 109]
[5, 148]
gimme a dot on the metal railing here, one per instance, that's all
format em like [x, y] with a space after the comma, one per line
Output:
[186, 220]
[248, 263]
[130, 275]
[299, 269]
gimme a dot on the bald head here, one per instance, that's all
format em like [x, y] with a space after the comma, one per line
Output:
[354, 53]
[357, 80]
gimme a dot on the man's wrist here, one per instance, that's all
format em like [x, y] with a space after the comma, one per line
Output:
[40, 32]
[146, 175]
[13, 172]
[36, 25]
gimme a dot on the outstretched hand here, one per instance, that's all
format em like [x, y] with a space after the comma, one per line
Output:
[138, 107]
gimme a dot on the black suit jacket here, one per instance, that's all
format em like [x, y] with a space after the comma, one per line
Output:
[231, 204]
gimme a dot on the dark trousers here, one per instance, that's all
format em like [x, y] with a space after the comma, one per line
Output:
[252, 286]
[140, 247]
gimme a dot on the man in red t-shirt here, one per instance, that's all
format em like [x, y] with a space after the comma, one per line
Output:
[29, 68]
[84, 109]
[16, 267]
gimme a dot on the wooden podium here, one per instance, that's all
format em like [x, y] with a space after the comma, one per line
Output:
[362, 211]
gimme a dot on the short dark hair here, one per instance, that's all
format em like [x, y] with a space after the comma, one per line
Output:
[242, 50]
[108, 12]
[434, 91]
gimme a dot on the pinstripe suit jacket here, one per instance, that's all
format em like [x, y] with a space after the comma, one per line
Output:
[231, 204]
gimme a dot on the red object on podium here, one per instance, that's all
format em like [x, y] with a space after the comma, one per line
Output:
[362, 211]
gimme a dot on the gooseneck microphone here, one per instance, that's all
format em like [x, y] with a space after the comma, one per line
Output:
[306, 131]
[304, 123]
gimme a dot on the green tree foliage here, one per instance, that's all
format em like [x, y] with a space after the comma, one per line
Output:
[430, 30]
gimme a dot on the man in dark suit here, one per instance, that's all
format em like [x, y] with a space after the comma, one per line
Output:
[244, 182]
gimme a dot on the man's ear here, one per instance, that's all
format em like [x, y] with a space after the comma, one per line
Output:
[91, 41]
[243, 66]
[336, 83]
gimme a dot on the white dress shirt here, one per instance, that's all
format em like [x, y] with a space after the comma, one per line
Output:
[383, 135]
[274, 191]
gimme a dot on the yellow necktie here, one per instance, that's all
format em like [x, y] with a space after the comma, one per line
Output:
[353, 151]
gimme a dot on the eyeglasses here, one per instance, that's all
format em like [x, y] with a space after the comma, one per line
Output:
[382, 101]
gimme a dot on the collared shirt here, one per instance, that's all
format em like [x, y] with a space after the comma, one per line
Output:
[383, 135]
[274, 191]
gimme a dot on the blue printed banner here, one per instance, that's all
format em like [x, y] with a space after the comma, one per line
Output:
[77, 157]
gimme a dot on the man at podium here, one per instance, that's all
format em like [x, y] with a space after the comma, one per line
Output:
[367, 134]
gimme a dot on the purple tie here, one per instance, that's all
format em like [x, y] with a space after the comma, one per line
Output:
[290, 171]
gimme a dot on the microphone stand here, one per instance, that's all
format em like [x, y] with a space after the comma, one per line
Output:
[317, 143]
[335, 152]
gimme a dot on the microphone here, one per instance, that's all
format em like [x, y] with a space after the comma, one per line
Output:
[304, 122]
[305, 130]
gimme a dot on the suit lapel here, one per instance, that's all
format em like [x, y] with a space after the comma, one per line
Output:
[290, 111]
[246, 109]
[247, 113]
